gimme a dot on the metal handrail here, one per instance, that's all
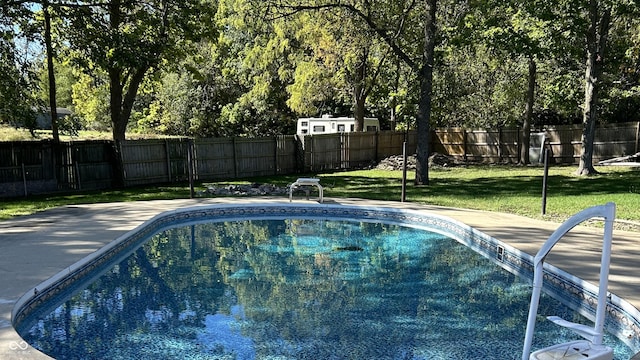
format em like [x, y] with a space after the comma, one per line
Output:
[594, 335]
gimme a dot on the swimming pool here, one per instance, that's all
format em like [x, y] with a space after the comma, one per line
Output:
[380, 274]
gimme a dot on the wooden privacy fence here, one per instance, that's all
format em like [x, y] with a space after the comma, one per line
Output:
[166, 161]
[564, 143]
[32, 167]
[485, 146]
[353, 150]
[611, 140]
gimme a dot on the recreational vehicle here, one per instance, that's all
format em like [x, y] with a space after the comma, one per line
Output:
[327, 125]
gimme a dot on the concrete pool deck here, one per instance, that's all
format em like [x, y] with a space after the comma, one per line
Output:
[35, 247]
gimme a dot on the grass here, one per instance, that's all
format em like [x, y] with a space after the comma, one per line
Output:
[10, 133]
[507, 189]
[516, 190]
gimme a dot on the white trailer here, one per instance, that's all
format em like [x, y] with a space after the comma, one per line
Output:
[328, 125]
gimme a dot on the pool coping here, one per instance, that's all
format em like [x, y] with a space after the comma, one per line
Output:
[411, 209]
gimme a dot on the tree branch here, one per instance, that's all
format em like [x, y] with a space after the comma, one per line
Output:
[390, 39]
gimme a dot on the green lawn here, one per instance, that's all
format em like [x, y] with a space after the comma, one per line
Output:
[516, 190]
[508, 189]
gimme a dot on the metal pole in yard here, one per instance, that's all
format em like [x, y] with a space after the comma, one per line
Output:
[545, 153]
[404, 172]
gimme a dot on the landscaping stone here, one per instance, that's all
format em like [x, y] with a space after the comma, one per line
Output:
[394, 162]
[248, 189]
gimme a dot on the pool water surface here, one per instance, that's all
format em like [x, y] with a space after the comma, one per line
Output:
[298, 289]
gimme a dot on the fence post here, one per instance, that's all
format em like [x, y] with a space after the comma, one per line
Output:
[545, 153]
[24, 179]
[235, 157]
[403, 196]
[344, 160]
[166, 150]
[500, 144]
[76, 166]
[190, 167]
[637, 137]
[275, 151]
[376, 141]
[298, 153]
[311, 153]
[518, 145]
[464, 144]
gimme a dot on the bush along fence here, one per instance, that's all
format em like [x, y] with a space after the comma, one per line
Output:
[34, 167]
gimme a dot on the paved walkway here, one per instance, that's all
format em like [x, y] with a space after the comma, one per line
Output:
[35, 247]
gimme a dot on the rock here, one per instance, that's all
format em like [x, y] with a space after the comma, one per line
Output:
[251, 189]
[437, 159]
[395, 162]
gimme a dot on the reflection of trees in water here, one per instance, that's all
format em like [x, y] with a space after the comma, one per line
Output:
[343, 287]
[311, 285]
[407, 289]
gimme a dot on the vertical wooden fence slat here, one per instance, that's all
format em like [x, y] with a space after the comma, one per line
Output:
[144, 162]
[214, 158]
[255, 157]
[286, 154]
[637, 138]
[326, 152]
[168, 158]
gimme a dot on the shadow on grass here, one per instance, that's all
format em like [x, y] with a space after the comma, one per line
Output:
[389, 188]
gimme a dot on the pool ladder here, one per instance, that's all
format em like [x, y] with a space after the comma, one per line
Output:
[591, 348]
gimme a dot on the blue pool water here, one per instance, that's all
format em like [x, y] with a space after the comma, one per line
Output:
[297, 289]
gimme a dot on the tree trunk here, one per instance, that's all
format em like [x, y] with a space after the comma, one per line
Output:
[119, 125]
[426, 87]
[121, 104]
[51, 73]
[394, 101]
[124, 88]
[596, 43]
[359, 113]
[360, 92]
[526, 124]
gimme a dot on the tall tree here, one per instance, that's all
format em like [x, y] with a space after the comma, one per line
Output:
[409, 29]
[16, 81]
[46, 8]
[599, 15]
[518, 29]
[338, 64]
[53, 112]
[252, 66]
[127, 39]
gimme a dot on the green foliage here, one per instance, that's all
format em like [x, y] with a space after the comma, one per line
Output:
[66, 76]
[250, 68]
[16, 82]
[90, 96]
[476, 89]
[126, 40]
